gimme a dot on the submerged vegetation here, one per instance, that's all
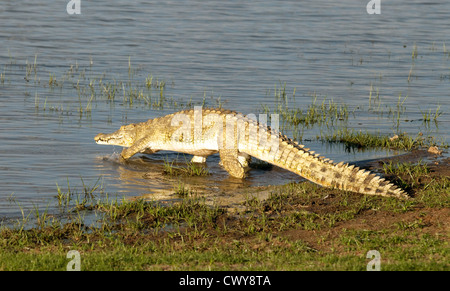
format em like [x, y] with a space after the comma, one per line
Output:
[323, 119]
[333, 120]
[88, 89]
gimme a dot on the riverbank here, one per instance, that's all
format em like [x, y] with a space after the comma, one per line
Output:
[300, 226]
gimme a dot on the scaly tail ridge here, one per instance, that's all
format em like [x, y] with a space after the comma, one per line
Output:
[296, 158]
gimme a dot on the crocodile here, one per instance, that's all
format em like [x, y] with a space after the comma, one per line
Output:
[202, 132]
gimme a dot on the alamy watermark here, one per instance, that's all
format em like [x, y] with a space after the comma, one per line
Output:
[374, 7]
[74, 7]
[75, 263]
[375, 263]
[230, 130]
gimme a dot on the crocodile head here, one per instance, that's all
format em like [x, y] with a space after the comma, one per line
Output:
[124, 136]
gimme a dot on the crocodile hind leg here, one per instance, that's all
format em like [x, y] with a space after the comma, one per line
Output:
[198, 159]
[244, 160]
[230, 161]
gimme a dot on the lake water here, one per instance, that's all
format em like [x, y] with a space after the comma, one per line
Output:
[64, 78]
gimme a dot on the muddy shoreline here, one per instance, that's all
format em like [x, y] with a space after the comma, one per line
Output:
[233, 200]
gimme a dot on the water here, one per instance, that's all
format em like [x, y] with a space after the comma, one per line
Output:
[238, 53]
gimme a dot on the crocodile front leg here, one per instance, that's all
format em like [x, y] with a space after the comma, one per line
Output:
[128, 153]
[139, 146]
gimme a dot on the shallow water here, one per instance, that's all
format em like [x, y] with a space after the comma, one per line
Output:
[238, 53]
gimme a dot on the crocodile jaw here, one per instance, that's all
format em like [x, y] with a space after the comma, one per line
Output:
[125, 136]
[109, 139]
[118, 138]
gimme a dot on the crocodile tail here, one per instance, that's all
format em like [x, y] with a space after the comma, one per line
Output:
[342, 176]
[351, 178]
[271, 146]
[296, 158]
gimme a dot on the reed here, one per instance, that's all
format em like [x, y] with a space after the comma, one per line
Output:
[361, 139]
[188, 169]
[428, 116]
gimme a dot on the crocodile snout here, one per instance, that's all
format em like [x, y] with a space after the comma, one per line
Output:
[98, 137]
[101, 138]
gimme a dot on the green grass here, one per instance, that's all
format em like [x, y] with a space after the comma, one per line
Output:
[301, 226]
[409, 168]
[365, 139]
[188, 169]
[360, 139]
[324, 113]
[430, 116]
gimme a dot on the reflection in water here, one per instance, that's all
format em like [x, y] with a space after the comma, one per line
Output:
[145, 176]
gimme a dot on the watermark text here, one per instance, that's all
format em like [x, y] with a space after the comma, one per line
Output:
[374, 7]
[375, 263]
[75, 262]
[74, 7]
